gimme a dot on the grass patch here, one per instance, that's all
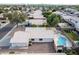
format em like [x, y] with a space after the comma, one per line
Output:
[73, 36]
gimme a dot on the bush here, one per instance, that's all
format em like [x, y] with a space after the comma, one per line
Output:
[33, 25]
[31, 18]
[42, 25]
[71, 52]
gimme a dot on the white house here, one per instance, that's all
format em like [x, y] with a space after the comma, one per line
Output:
[22, 38]
[39, 34]
[73, 20]
[70, 10]
[37, 14]
[36, 21]
[38, 18]
[36, 35]
[64, 25]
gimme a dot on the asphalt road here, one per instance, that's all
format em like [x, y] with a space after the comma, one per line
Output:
[5, 30]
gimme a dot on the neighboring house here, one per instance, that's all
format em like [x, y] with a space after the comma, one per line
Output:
[64, 26]
[37, 14]
[2, 19]
[36, 18]
[76, 13]
[73, 20]
[7, 8]
[36, 21]
[70, 10]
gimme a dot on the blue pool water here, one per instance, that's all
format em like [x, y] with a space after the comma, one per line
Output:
[61, 41]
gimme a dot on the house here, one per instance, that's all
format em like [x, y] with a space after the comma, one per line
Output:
[36, 18]
[37, 14]
[40, 34]
[36, 21]
[72, 20]
[70, 10]
[31, 35]
[2, 19]
[64, 26]
[23, 38]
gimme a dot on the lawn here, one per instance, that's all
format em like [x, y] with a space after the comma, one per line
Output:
[73, 36]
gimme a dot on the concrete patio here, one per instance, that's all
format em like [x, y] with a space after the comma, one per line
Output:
[35, 48]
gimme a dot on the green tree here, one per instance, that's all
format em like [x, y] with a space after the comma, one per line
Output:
[53, 19]
[1, 10]
[16, 17]
[46, 13]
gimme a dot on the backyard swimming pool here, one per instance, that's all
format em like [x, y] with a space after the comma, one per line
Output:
[63, 41]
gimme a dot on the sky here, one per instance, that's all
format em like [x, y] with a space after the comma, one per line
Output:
[67, 2]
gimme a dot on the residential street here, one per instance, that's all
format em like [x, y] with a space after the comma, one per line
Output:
[5, 30]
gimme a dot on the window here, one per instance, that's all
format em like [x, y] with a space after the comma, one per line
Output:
[32, 39]
[40, 39]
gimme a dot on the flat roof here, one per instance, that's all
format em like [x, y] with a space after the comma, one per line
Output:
[75, 18]
[37, 14]
[64, 25]
[19, 37]
[39, 32]
[36, 21]
[58, 12]
[31, 32]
